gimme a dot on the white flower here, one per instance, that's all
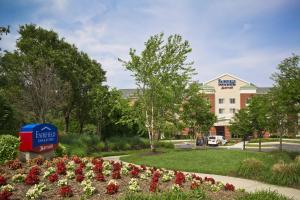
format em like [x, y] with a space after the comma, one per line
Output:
[89, 174]
[49, 171]
[70, 165]
[166, 177]
[188, 176]
[62, 182]
[106, 165]
[112, 181]
[70, 174]
[88, 189]
[148, 173]
[35, 191]
[89, 166]
[18, 178]
[7, 187]
[176, 188]
[133, 185]
[143, 176]
[106, 172]
[124, 171]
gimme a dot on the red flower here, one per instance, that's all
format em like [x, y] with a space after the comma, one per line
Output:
[35, 170]
[143, 167]
[2, 180]
[82, 165]
[117, 166]
[31, 179]
[116, 175]
[65, 191]
[79, 178]
[53, 177]
[207, 179]
[98, 167]
[229, 187]
[180, 178]
[135, 172]
[61, 168]
[78, 171]
[194, 176]
[5, 195]
[76, 159]
[14, 164]
[100, 177]
[96, 161]
[153, 186]
[112, 188]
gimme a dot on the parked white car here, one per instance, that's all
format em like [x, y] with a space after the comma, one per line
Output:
[216, 140]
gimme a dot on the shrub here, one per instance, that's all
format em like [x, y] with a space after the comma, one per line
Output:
[250, 168]
[163, 144]
[286, 173]
[263, 195]
[8, 147]
[60, 151]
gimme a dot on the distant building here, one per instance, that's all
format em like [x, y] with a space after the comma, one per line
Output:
[227, 94]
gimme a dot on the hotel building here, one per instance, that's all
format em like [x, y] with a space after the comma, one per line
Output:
[227, 94]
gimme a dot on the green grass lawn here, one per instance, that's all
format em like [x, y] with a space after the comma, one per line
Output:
[214, 161]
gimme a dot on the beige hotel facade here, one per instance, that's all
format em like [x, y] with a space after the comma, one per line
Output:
[227, 95]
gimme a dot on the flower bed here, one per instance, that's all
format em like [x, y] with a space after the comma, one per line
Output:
[94, 178]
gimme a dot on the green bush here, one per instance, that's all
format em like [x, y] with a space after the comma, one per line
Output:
[264, 195]
[251, 168]
[163, 144]
[286, 173]
[61, 150]
[191, 195]
[8, 147]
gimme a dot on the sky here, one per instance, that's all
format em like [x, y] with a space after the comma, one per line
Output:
[246, 38]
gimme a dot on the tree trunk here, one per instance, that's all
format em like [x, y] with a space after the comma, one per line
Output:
[280, 142]
[244, 143]
[259, 141]
[67, 123]
[98, 130]
[80, 127]
[152, 129]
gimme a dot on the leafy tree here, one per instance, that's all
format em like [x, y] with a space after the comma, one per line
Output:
[241, 124]
[258, 115]
[287, 87]
[161, 72]
[196, 110]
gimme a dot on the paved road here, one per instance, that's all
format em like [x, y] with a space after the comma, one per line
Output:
[248, 185]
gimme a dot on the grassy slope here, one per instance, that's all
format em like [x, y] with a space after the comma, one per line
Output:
[223, 162]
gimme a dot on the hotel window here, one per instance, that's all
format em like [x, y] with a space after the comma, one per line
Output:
[232, 110]
[221, 101]
[221, 110]
[232, 100]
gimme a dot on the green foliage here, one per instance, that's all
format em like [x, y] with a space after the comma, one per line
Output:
[286, 173]
[250, 168]
[196, 110]
[163, 144]
[241, 124]
[8, 121]
[8, 147]
[191, 195]
[83, 145]
[162, 73]
[263, 195]
[60, 151]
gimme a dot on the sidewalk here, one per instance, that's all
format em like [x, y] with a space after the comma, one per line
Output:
[240, 183]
